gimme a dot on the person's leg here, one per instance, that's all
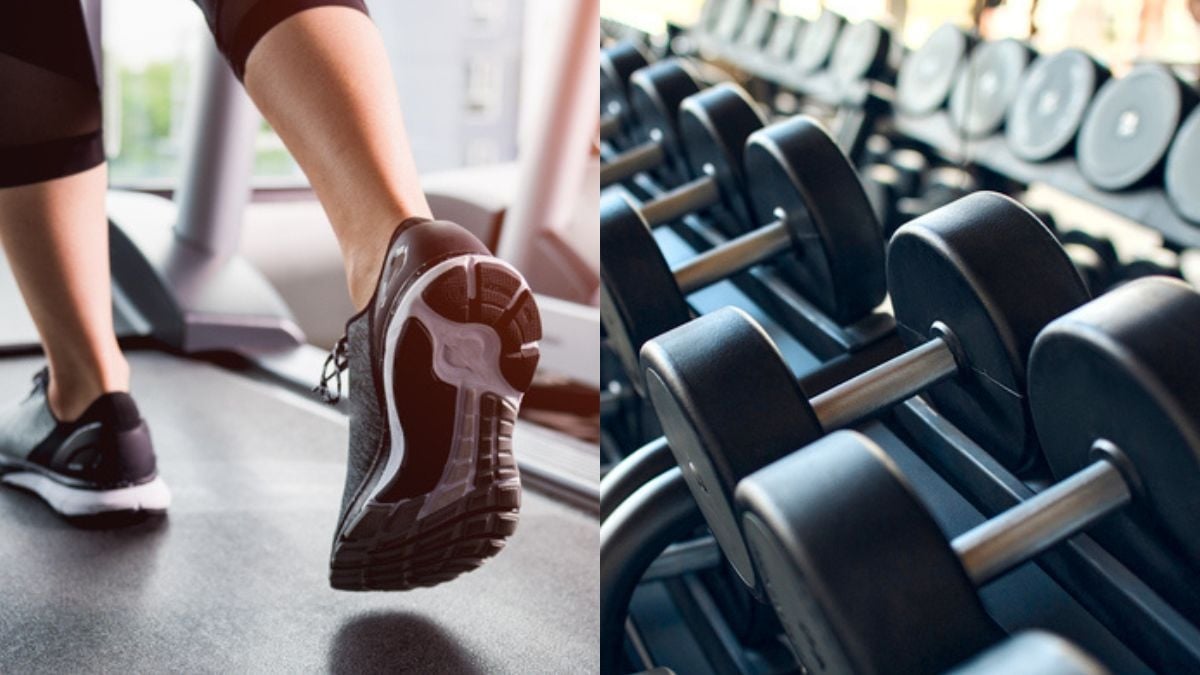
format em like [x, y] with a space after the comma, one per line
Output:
[52, 182]
[55, 236]
[322, 79]
[446, 343]
[76, 439]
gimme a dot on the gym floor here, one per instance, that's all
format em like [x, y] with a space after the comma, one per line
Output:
[234, 580]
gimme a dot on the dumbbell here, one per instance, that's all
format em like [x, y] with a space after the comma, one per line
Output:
[820, 230]
[1115, 402]
[1094, 257]
[712, 128]
[913, 167]
[617, 63]
[655, 95]
[729, 405]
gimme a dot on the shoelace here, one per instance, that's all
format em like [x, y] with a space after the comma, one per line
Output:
[337, 362]
[41, 379]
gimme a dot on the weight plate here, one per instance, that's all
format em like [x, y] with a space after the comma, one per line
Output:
[733, 17]
[856, 568]
[1127, 130]
[861, 52]
[758, 27]
[927, 74]
[912, 167]
[1183, 165]
[714, 126]
[1050, 104]
[836, 258]
[788, 28]
[617, 64]
[655, 94]
[813, 51]
[638, 296]
[710, 15]
[1123, 369]
[987, 86]
[944, 267]
[876, 149]
[708, 381]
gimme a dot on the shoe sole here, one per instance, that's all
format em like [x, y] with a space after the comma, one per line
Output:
[460, 351]
[148, 498]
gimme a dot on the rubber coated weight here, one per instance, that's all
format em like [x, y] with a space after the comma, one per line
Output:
[944, 272]
[617, 64]
[862, 51]
[1050, 104]
[986, 87]
[631, 321]
[1123, 369]
[836, 259]
[1129, 126]
[912, 166]
[638, 299]
[759, 24]
[732, 19]
[1032, 652]
[1095, 258]
[927, 74]
[694, 371]
[782, 44]
[1183, 167]
[826, 523]
[1116, 401]
[656, 93]
[812, 53]
[713, 127]
[688, 378]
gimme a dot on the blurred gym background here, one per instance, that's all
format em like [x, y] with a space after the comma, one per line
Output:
[1120, 33]
[470, 75]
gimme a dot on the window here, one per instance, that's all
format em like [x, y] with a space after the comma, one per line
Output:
[152, 51]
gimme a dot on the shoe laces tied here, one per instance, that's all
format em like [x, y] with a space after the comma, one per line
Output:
[335, 364]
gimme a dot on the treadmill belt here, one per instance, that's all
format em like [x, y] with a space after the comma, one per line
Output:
[234, 579]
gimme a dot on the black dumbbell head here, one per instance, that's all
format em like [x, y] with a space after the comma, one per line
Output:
[927, 74]
[988, 271]
[863, 579]
[729, 405]
[638, 296]
[713, 127]
[1050, 105]
[800, 174]
[987, 86]
[862, 51]
[1123, 369]
[816, 45]
[617, 64]
[1183, 165]
[1129, 126]
[655, 94]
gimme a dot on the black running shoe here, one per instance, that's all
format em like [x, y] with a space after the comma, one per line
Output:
[100, 464]
[438, 363]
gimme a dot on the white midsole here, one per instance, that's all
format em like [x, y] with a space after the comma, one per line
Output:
[69, 501]
[465, 356]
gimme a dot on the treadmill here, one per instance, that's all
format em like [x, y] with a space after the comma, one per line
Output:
[235, 577]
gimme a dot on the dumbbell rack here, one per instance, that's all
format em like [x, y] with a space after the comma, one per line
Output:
[1123, 611]
[1146, 205]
